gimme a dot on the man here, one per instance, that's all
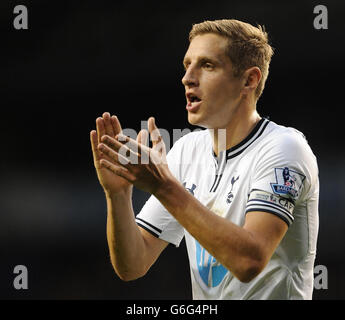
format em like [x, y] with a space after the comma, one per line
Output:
[250, 234]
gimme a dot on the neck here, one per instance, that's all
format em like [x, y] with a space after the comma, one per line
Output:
[235, 131]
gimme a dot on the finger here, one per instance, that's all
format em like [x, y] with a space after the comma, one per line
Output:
[116, 125]
[111, 142]
[122, 157]
[97, 154]
[118, 170]
[94, 143]
[100, 128]
[136, 147]
[109, 130]
[142, 140]
[154, 132]
[156, 137]
[131, 155]
[142, 137]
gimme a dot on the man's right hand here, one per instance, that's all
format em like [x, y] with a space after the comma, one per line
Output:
[132, 249]
[111, 183]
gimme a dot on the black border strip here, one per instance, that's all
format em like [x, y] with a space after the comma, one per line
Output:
[214, 182]
[246, 140]
[148, 230]
[272, 212]
[150, 225]
[290, 216]
[216, 186]
[270, 204]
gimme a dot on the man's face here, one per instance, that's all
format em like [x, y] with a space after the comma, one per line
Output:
[212, 92]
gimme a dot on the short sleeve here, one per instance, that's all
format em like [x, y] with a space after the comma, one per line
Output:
[154, 217]
[282, 176]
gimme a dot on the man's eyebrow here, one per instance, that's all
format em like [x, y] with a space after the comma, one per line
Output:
[208, 59]
[201, 59]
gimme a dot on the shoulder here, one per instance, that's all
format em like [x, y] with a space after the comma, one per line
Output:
[287, 141]
[287, 148]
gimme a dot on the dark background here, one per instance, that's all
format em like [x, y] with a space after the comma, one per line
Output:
[81, 58]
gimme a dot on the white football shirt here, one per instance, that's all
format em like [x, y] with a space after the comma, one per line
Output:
[272, 170]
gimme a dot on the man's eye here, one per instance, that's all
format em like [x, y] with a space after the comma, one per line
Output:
[208, 66]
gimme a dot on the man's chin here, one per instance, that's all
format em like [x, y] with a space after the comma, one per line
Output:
[193, 121]
[196, 120]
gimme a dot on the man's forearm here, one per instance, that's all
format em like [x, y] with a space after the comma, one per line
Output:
[231, 245]
[126, 244]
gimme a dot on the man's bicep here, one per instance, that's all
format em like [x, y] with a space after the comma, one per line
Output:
[267, 228]
[154, 246]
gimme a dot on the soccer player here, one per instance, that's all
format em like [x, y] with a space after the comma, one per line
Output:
[244, 192]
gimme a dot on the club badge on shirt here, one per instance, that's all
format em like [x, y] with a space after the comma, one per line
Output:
[230, 195]
[190, 188]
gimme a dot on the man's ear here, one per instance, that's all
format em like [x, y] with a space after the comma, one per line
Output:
[251, 78]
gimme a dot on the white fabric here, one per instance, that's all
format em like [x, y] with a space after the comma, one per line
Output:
[272, 170]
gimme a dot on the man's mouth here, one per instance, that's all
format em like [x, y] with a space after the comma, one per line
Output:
[192, 97]
[193, 102]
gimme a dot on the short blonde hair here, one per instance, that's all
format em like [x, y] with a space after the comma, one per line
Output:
[248, 45]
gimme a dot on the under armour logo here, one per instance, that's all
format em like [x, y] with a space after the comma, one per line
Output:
[191, 190]
[230, 194]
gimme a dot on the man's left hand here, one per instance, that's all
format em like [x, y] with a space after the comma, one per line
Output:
[146, 168]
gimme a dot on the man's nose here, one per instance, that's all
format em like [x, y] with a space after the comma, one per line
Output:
[190, 78]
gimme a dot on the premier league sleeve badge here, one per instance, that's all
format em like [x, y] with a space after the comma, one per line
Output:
[288, 182]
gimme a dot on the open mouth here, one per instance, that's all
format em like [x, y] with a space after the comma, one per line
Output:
[191, 97]
[193, 102]
[194, 99]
